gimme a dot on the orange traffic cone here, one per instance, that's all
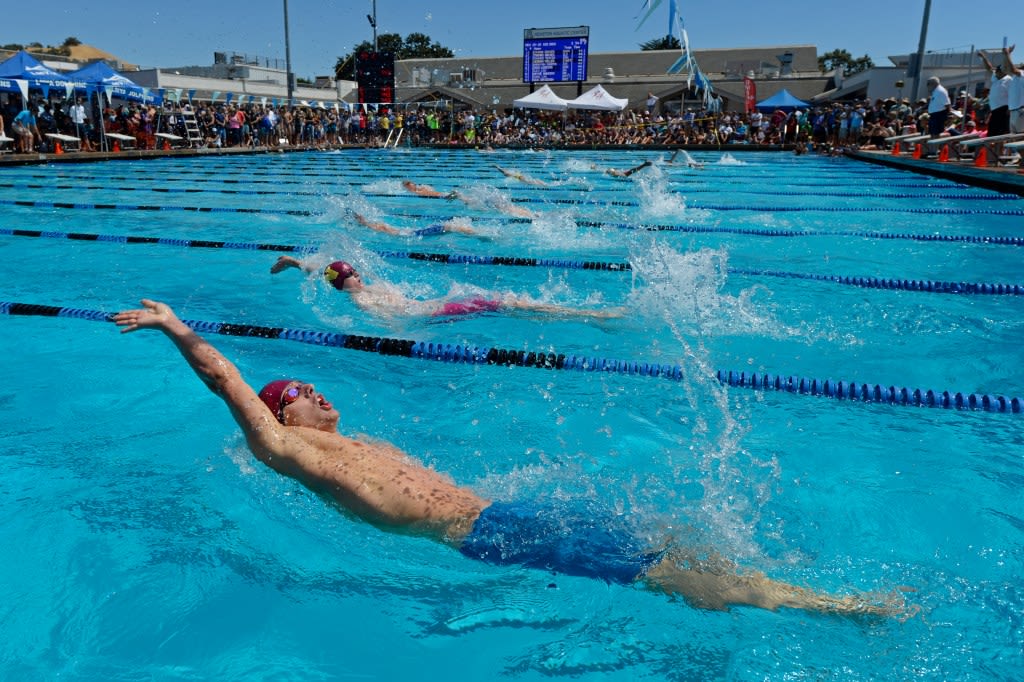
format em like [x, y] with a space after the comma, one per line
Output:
[917, 151]
[981, 158]
[117, 146]
[57, 149]
[944, 154]
[167, 146]
[896, 149]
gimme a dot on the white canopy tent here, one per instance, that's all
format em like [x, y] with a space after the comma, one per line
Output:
[598, 98]
[544, 98]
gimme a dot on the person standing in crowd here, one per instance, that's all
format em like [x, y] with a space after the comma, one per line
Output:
[1015, 91]
[939, 107]
[81, 121]
[998, 98]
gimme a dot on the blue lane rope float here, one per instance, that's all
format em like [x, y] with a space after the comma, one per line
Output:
[871, 393]
[616, 188]
[162, 190]
[928, 286]
[130, 207]
[920, 210]
[770, 232]
[448, 258]
[475, 355]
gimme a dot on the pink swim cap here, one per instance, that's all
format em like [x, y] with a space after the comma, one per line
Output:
[272, 393]
[337, 272]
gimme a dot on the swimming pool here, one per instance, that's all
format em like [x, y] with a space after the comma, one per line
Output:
[145, 542]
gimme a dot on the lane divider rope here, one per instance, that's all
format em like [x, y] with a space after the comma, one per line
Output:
[475, 355]
[929, 286]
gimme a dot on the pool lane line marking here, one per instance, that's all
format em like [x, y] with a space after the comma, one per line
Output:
[133, 207]
[756, 209]
[166, 190]
[444, 258]
[613, 188]
[550, 360]
[896, 284]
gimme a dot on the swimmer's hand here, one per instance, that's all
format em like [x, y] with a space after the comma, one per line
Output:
[283, 263]
[154, 315]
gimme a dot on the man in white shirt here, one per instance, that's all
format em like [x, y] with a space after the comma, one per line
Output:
[81, 121]
[938, 107]
[1015, 91]
[998, 98]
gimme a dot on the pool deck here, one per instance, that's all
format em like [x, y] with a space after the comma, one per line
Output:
[1008, 179]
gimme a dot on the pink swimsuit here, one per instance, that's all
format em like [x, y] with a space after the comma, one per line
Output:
[468, 306]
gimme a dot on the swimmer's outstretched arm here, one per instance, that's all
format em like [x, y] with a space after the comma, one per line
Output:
[270, 441]
[216, 371]
[286, 262]
[634, 169]
[375, 224]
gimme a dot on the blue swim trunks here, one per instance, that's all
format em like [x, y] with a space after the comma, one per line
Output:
[578, 540]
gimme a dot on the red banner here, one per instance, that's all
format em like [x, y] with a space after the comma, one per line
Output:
[749, 94]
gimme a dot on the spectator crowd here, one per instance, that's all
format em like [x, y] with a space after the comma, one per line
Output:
[852, 124]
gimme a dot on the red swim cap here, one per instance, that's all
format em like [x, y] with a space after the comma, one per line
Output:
[272, 393]
[337, 272]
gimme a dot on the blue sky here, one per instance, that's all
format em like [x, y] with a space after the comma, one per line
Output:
[168, 34]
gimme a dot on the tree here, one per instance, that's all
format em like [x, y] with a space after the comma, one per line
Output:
[415, 46]
[663, 43]
[830, 60]
[71, 42]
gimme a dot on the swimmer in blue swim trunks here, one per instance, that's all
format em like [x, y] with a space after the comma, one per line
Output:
[293, 429]
[387, 300]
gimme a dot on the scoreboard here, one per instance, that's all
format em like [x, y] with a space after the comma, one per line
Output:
[555, 55]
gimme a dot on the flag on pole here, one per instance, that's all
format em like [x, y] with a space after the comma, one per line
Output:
[649, 6]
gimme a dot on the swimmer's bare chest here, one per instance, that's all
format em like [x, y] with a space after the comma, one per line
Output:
[387, 487]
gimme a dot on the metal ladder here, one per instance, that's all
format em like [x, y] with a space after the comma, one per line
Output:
[398, 137]
[188, 115]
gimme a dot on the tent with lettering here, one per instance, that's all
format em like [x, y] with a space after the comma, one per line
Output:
[23, 72]
[783, 100]
[544, 98]
[104, 79]
[597, 98]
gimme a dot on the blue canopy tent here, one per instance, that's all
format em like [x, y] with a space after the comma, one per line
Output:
[100, 76]
[784, 100]
[23, 72]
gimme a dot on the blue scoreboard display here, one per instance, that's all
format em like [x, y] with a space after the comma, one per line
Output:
[554, 55]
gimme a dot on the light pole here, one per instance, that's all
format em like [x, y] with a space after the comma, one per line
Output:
[372, 18]
[288, 56]
[920, 49]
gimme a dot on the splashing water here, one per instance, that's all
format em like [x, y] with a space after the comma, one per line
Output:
[656, 198]
[684, 291]
[730, 160]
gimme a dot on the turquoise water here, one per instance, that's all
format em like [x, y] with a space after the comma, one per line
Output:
[144, 542]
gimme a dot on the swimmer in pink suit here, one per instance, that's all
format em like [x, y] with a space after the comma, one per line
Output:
[385, 299]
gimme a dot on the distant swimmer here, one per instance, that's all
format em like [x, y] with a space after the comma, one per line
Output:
[428, 191]
[504, 205]
[438, 228]
[387, 300]
[521, 177]
[690, 163]
[616, 173]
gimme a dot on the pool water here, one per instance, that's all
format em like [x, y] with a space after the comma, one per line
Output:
[144, 541]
